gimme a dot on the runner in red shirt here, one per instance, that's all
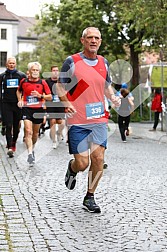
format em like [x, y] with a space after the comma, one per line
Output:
[85, 76]
[31, 94]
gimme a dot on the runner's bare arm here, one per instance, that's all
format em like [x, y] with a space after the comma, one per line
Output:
[19, 97]
[109, 93]
[47, 97]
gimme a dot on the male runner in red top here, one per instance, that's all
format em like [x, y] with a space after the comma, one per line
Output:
[86, 79]
[31, 94]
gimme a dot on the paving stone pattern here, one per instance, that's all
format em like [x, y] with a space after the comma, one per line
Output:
[38, 213]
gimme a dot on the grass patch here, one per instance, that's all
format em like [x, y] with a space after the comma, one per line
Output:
[156, 76]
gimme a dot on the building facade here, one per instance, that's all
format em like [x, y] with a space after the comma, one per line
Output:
[15, 35]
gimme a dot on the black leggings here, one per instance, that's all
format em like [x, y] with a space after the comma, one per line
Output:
[123, 123]
[156, 119]
[11, 118]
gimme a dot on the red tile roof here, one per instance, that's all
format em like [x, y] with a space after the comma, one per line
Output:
[24, 23]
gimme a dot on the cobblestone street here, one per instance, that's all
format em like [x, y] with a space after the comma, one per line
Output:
[39, 214]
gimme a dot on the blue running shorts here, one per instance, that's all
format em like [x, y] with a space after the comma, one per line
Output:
[80, 137]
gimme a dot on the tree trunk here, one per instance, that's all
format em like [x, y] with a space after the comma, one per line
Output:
[134, 60]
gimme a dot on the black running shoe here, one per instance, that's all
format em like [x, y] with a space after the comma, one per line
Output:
[31, 160]
[90, 205]
[10, 153]
[105, 165]
[70, 177]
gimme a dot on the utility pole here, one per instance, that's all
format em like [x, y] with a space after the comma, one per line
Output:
[162, 83]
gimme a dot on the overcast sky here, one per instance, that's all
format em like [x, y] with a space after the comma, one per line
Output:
[27, 8]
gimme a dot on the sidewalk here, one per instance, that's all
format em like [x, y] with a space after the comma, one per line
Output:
[142, 130]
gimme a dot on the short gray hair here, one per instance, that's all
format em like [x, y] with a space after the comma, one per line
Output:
[31, 64]
[11, 58]
[85, 31]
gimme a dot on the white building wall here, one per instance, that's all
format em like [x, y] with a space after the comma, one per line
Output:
[9, 45]
[24, 46]
[14, 38]
[12, 45]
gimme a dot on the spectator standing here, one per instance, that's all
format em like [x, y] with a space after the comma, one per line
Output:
[86, 78]
[156, 106]
[55, 109]
[11, 114]
[34, 91]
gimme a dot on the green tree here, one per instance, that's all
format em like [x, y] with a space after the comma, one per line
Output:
[71, 17]
[136, 22]
[125, 26]
[23, 59]
[49, 49]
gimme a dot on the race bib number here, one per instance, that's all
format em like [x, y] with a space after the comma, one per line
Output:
[12, 83]
[94, 110]
[31, 100]
[55, 98]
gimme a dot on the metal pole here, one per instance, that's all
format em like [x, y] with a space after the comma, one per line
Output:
[162, 91]
[141, 114]
[150, 109]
